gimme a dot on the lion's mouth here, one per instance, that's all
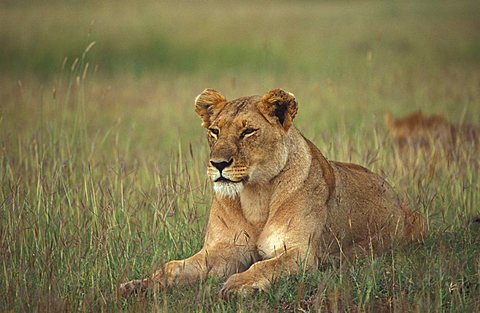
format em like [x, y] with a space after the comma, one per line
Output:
[222, 179]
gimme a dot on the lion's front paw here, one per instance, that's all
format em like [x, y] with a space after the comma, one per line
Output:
[242, 284]
[132, 287]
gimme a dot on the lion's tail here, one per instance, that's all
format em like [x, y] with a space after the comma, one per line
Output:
[415, 226]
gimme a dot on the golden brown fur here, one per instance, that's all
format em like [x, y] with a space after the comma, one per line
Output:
[279, 205]
[419, 131]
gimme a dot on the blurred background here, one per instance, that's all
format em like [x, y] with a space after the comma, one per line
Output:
[102, 157]
[347, 61]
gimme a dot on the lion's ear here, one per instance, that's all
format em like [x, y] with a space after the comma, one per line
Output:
[280, 105]
[207, 103]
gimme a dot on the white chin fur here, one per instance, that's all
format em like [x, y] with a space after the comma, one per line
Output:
[225, 189]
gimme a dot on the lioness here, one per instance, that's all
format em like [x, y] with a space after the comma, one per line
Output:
[279, 205]
[420, 131]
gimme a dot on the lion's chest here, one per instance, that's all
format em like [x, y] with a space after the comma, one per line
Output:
[255, 205]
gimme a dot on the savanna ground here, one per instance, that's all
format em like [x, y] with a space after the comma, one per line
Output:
[102, 171]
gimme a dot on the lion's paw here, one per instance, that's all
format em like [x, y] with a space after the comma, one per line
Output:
[243, 285]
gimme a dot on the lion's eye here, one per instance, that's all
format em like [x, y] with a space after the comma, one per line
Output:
[247, 132]
[214, 132]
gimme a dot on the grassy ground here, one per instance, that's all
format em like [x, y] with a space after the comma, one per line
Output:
[102, 171]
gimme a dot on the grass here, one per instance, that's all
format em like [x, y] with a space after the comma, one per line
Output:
[102, 159]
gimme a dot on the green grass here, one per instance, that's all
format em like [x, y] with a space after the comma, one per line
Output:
[102, 171]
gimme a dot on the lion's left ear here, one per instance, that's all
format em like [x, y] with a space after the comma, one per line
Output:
[279, 105]
[207, 103]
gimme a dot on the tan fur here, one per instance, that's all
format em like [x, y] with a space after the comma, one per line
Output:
[419, 131]
[286, 208]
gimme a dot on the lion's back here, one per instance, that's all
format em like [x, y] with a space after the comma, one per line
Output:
[364, 204]
[418, 129]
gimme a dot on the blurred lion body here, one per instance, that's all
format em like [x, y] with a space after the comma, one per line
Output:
[418, 130]
[280, 206]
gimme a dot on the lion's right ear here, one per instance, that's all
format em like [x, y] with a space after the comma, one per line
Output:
[207, 103]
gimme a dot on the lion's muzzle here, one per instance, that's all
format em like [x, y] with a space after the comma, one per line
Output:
[228, 179]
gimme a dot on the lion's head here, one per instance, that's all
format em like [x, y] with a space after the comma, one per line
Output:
[247, 137]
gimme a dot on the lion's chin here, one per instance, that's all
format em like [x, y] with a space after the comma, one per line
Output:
[227, 189]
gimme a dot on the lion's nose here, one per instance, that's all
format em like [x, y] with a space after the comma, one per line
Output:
[221, 164]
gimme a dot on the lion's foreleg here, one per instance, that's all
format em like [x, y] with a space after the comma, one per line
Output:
[217, 262]
[261, 274]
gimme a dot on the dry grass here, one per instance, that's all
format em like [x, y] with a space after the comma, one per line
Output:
[102, 169]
